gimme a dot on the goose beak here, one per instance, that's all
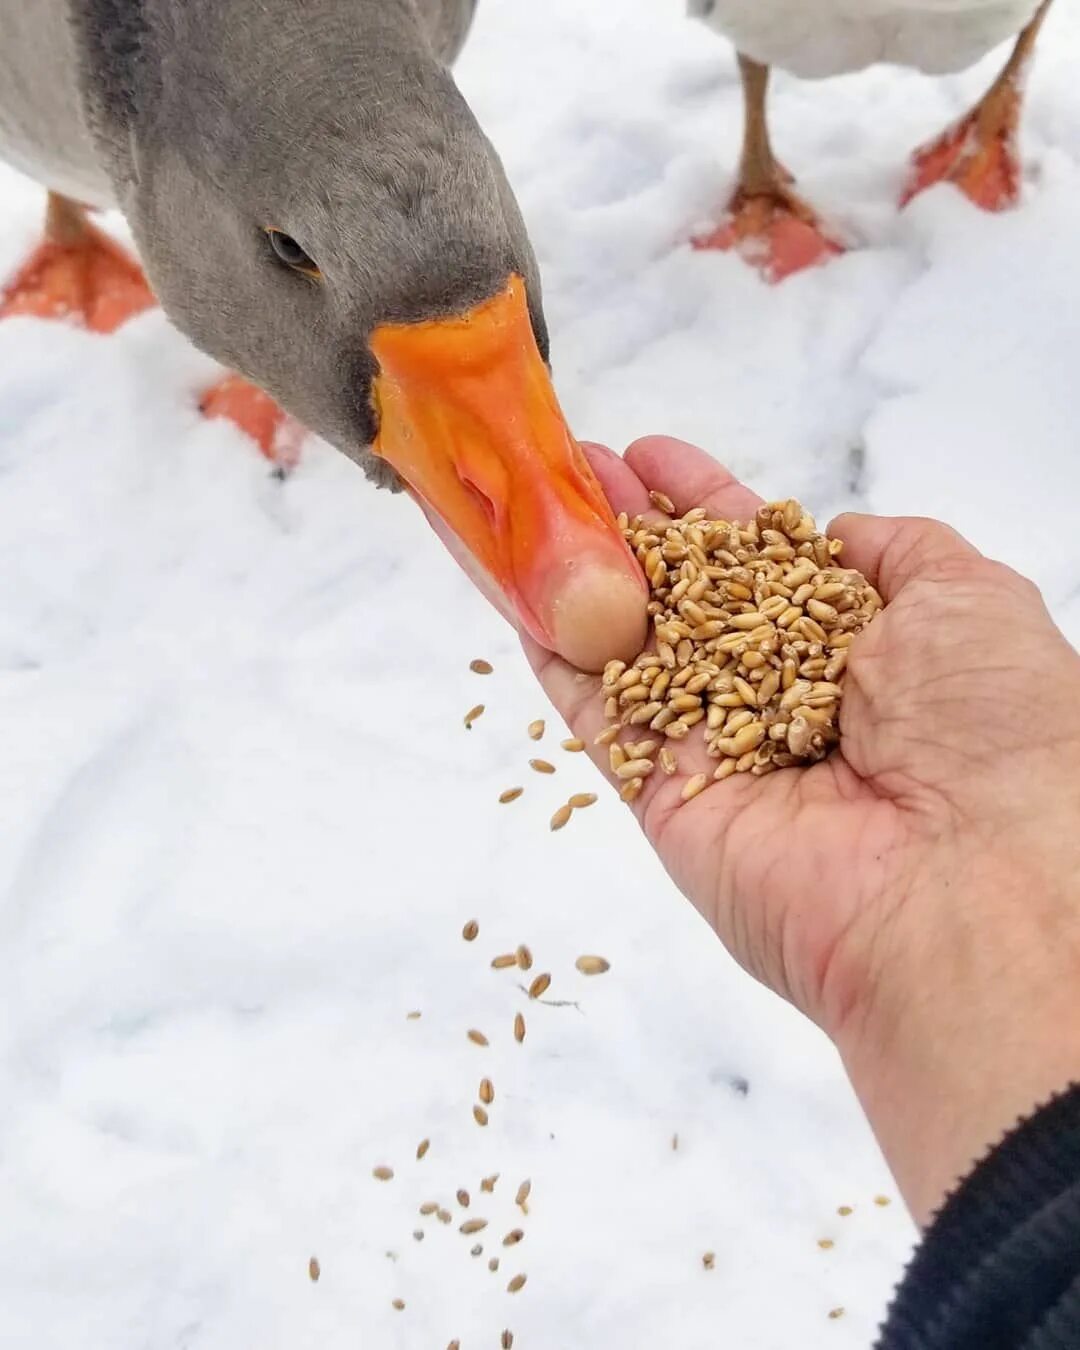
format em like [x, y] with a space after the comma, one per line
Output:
[469, 419]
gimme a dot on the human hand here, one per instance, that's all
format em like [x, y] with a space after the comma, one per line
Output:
[886, 890]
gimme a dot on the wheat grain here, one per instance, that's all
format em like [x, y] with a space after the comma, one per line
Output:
[592, 965]
[562, 816]
[753, 624]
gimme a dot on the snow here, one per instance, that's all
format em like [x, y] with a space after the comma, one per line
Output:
[243, 824]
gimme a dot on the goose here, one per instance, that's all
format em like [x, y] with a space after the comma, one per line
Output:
[315, 206]
[766, 220]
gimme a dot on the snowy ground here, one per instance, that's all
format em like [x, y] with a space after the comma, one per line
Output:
[243, 826]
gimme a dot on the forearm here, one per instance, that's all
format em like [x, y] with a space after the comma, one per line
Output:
[973, 1020]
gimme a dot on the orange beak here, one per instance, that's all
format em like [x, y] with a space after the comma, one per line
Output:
[470, 421]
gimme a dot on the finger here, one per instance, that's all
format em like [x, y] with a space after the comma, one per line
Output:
[690, 477]
[893, 550]
[622, 487]
[574, 694]
[687, 835]
[580, 701]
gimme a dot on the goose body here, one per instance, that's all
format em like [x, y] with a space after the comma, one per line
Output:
[765, 219]
[817, 38]
[43, 131]
[315, 206]
[43, 93]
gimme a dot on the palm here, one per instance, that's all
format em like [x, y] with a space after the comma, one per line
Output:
[915, 892]
[779, 865]
[787, 865]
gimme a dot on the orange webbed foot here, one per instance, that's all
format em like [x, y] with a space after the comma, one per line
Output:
[87, 278]
[277, 435]
[978, 155]
[776, 231]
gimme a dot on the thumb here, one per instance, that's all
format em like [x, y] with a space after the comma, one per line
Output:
[894, 550]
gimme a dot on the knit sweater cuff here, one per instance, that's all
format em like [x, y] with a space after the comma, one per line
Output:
[999, 1268]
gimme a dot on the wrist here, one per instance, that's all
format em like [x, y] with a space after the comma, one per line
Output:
[971, 1015]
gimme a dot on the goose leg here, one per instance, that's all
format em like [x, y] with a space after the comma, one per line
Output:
[979, 153]
[77, 273]
[81, 274]
[277, 435]
[766, 220]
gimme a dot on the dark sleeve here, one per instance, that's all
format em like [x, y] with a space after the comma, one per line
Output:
[999, 1268]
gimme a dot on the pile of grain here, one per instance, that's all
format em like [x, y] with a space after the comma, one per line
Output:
[752, 624]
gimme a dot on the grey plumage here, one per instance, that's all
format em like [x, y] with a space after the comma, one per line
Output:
[336, 121]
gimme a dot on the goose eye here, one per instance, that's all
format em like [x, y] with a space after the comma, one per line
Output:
[289, 252]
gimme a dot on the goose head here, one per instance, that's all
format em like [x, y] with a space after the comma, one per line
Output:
[317, 208]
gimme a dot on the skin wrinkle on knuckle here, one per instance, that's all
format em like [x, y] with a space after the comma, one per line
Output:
[862, 952]
[723, 883]
[915, 554]
[779, 943]
[865, 1002]
[799, 978]
[576, 710]
[658, 812]
[735, 934]
[940, 811]
[720, 905]
[1000, 577]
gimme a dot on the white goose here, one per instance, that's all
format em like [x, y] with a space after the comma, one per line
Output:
[766, 220]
